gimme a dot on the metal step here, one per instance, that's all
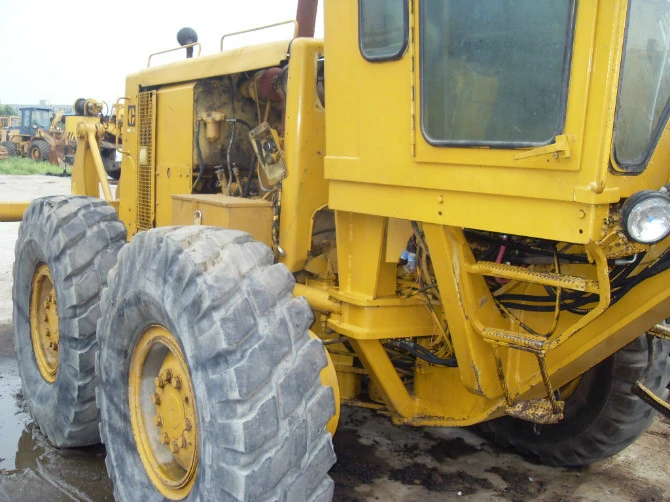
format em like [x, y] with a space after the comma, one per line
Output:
[521, 341]
[529, 275]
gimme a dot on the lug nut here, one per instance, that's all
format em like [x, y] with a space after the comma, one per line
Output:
[187, 424]
[176, 382]
[158, 420]
[47, 333]
[168, 375]
[156, 399]
[159, 381]
[175, 446]
[165, 439]
[46, 317]
[184, 443]
[55, 345]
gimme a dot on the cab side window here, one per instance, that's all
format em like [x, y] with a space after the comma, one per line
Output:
[383, 27]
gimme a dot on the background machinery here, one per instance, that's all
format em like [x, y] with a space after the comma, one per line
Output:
[90, 111]
[8, 123]
[39, 136]
[473, 229]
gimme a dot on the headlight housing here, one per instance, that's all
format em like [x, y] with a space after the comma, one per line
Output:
[645, 217]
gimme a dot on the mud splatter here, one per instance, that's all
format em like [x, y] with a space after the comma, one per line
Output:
[435, 480]
[356, 465]
[521, 485]
[443, 449]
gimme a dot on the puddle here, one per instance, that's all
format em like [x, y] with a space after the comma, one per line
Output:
[13, 419]
[30, 468]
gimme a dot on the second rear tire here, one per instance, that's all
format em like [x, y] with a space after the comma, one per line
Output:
[602, 415]
[66, 247]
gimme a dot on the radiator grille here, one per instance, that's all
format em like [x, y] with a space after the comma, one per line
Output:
[145, 166]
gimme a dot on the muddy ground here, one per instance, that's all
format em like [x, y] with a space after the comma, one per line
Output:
[376, 461]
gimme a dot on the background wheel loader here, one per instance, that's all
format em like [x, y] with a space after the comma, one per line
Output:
[455, 213]
[37, 137]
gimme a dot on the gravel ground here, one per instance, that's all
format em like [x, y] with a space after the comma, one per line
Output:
[376, 461]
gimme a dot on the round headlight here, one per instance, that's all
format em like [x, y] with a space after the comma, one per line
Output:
[645, 217]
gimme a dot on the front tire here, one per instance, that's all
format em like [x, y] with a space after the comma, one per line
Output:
[602, 415]
[247, 419]
[66, 247]
[39, 150]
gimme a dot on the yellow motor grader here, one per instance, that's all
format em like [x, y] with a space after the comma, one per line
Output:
[453, 212]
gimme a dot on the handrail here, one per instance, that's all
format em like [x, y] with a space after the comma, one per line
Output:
[118, 106]
[187, 46]
[289, 21]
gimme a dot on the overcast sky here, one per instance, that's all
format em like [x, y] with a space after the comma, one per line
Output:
[60, 51]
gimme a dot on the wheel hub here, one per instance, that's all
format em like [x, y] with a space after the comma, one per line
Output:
[162, 409]
[44, 331]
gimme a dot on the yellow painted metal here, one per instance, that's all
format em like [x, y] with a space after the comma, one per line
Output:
[229, 61]
[44, 330]
[249, 215]
[163, 412]
[88, 172]
[12, 211]
[146, 160]
[304, 150]
[372, 169]
[384, 318]
[128, 182]
[329, 379]
[528, 275]
[174, 148]
[381, 174]
[318, 299]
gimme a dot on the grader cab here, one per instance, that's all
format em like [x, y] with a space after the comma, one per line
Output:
[453, 212]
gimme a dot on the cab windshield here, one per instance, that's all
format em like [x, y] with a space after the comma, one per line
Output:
[644, 88]
[494, 72]
[32, 119]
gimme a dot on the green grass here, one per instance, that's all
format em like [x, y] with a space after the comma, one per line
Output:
[17, 165]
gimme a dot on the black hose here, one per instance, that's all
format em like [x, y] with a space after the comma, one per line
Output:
[241, 121]
[201, 160]
[422, 353]
[232, 133]
[252, 169]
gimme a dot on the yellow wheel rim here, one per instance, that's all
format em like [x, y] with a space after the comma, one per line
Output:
[35, 153]
[328, 378]
[44, 323]
[162, 412]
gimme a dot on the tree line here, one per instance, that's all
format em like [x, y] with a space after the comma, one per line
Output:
[7, 111]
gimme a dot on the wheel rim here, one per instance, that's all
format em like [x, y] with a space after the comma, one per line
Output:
[162, 412]
[44, 323]
[35, 153]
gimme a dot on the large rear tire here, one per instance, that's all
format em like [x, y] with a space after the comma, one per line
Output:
[65, 249]
[247, 417]
[602, 415]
